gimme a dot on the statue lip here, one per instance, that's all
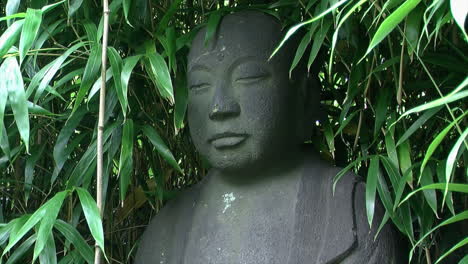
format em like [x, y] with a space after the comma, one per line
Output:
[227, 139]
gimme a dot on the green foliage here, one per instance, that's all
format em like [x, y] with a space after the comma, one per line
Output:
[393, 79]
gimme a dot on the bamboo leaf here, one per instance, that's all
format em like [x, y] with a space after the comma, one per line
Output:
[160, 146]
[181, 100]
[49, 255]
[295, 28]
[126, 7]
[456, 218]
[417, 124]
[34, 219]
[438, 139]
[18, 254]
[13, 82]
[391, 22]
[162, 78]
[371, 186]
[31, 26]
[92, 216]
[61, 151]
[453, 96]
[451, 160]
[318, 41]
[302, 47]
[212, 26]
[72, 235]
[10, 36]
[90, 74]
[116, 64]
[11, 8]
[52, 70]
[430, 195]
[29, 169]
[126, 158]
[74, 6]
[460, 244]
[47, 222]
[129, 65]
[453, 187]
[459, 10]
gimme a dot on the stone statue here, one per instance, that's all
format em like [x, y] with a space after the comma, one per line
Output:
[266, 199]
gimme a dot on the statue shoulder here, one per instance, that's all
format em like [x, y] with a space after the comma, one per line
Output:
[168, 226]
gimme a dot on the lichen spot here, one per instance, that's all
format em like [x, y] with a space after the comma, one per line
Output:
[228, 198]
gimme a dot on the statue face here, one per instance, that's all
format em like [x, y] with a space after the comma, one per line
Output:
[242, 110]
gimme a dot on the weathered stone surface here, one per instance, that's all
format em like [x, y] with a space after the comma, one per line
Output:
[266, 200]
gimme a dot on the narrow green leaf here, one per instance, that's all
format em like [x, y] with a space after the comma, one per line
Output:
[212, 26]
[18, 254]
[430, 195]
[404, 158]
[181, 99]
[436, 142]
[162, 77]
[293, 29]
[302, 47]
[10, 36]
[47, 8]
[453, 96]
[31, 161]
[97, 84]
[126, 7]
[74, 6]
[168, 15]
[345, 122]
[52, 70]
[129, 64]
[34, 219]
[4, 143]
[91, 31]
[456, 218]
[337, 30]
[418, 123]
[318, 41]
[60, 152]
[460, 244]
[160, 146]
[4, 83]
[459, 10]
[116, 64]
[49, 253]
[391, 22]
[92, 216]
[126, 158]
[11, 9]
[453, 187]
[31, 26]
[72, 235]
[47, 222]
[371, 186]
[381, 108]
[451, 160]
[90, 74]
[13, 82]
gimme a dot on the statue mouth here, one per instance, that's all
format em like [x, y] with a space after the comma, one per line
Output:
[227, 140]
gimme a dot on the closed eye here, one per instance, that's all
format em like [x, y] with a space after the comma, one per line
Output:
[252, 79]
[200, 86]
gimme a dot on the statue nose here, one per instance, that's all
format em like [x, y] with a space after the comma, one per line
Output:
[223, 108]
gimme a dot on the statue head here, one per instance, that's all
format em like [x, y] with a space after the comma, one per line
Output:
[244, 111]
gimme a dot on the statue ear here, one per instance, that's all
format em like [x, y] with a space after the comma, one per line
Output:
[309, 98]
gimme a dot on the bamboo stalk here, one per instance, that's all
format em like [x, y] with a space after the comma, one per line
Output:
[102, 105]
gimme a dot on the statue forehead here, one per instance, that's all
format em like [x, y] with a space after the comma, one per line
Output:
[243, 34]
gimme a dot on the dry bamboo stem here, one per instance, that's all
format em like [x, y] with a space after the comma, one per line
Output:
[102, 105]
